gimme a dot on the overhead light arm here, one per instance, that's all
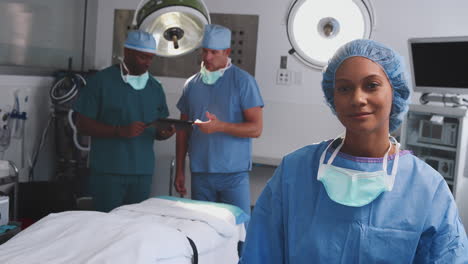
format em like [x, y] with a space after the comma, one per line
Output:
[134, 21]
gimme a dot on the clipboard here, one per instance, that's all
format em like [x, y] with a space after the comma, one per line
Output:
[168, 122]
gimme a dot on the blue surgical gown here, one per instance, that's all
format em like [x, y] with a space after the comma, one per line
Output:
[227, 98]
[294, 220]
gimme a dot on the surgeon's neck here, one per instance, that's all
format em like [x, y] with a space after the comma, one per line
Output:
[373, 145]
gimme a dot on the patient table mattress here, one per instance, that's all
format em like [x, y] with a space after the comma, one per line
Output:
[154, 231]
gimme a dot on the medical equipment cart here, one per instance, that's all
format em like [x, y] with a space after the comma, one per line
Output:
[11, 179]
[439, 136]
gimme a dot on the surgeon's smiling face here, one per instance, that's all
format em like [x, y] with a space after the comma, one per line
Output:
[362, 96]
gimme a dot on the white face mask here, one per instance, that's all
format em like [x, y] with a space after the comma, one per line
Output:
[138, 82]
[210, 77]
[352, 187]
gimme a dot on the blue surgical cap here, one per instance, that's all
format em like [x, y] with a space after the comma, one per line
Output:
[216, 37]
[392, 64]
[141, 41]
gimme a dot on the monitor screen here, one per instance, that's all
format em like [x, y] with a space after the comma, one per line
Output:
[440, 64]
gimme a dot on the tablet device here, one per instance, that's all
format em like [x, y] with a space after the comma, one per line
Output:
[167, 122]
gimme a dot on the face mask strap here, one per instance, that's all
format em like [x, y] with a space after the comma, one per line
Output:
[385, 158]
[391, 177]
[333, 156]
[228, 65]
[397, 157]
[392, 140]
[125, 66]
[322, 158]
[397, 154]
[124, 78]
[122, 63]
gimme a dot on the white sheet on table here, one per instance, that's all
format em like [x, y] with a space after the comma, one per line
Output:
[93, 237]
[221, 219]
[208, 226]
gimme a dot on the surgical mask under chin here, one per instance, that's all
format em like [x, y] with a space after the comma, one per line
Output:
[352, 187]
[210, 77]
[138, 82]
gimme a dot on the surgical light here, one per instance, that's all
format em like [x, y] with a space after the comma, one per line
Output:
[328, 27]
[177, 25]
[317, 28]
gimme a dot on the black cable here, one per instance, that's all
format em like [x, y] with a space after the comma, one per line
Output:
[40, 146]
[194, 249]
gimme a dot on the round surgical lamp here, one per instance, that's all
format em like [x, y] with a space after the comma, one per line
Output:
[317, 28]
[177, 25]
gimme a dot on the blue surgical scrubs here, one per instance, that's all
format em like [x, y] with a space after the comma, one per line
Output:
[294, 220]
[109, 100]
[230, 188]
[220, 156]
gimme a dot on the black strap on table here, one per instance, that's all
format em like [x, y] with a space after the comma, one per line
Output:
[195, 251]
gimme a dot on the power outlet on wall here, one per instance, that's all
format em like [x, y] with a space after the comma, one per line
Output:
[283, 77]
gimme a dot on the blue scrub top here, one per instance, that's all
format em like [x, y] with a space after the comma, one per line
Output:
[109, 100]
[294, 220]
[227, 98]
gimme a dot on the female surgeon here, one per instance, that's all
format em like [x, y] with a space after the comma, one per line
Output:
[358, 198]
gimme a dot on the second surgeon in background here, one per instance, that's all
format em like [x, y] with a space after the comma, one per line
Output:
[358, 198]
[114, 109]
[228, 101]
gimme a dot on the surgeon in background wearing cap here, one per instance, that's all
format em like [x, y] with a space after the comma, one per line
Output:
[227, 101]
[113, 109]
[358, 198]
